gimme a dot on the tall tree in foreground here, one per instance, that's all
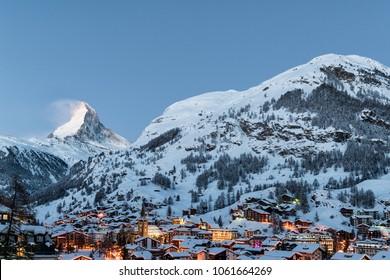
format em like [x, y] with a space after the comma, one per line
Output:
[17, 199]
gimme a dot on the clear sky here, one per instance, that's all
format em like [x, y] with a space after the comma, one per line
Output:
[131, 59]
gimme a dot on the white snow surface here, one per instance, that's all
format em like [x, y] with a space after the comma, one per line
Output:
[70, 128]
[305, 77]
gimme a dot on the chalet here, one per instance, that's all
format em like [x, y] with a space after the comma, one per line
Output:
[154, 232]
[148, 243]
[38, 239]
[236, 214]
[271, 244]
[194, 242]
[370, 212]
[81, 255]
[302, 223]
[223, 234]
[281, 255]
[228, 244]
[189, 212]
[344, 235]
[204, 234]
[178, 221]
[374, 232]
[220, 253]
[178, 240]
[70, 240]
[242, 240]
[346, 212]
[309, 251]
[129, 249]
[248, 233]
[185, 213]
[362, 231]
[369, 247]
[287, 198]
[287, 210]
[361, 219]
[387, 214]
[141, 255]
[14, 232]
[5, 214]
[267, 202]
[349, 256]
[256, 215]
[198, 253]
[168, 248]
[183, 231]
[257, 240]
[247, 249]
[82, 258]
[177, 256]
[326, 242]
[161, 222]
[288, 225]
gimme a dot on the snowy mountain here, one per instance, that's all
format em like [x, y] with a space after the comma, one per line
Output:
[86, 127]
[84, 135]
[40, 163]
[313, 132]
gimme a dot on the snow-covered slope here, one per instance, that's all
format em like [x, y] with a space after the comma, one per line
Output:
[354, 74]
[34, 165]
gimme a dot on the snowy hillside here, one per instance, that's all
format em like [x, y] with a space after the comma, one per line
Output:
[310, 132]
[35, 165]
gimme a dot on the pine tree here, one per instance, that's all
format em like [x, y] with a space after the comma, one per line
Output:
[316, 217]
[219, 222]
[20, 207]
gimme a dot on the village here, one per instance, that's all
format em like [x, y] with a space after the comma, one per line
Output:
[106, 234]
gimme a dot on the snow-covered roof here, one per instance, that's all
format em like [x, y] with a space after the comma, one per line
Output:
[131, 246]
[146, 255]
[216, 250]
[4, 209]
[280, 254]
[383, 255]
[81, 253]
[33, 228]
[348, 256]
[179, 255]
[306, 248]
[270, 242]
[190, 243]
[145, 237]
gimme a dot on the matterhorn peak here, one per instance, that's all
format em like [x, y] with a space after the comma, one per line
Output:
[78, 119]
[85, 126]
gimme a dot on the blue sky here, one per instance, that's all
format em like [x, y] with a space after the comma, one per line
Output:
[131, 59]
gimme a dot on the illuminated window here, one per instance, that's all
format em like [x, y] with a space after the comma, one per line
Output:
[20, 252]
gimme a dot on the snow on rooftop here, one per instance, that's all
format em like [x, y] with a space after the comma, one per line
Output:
[347, 256]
